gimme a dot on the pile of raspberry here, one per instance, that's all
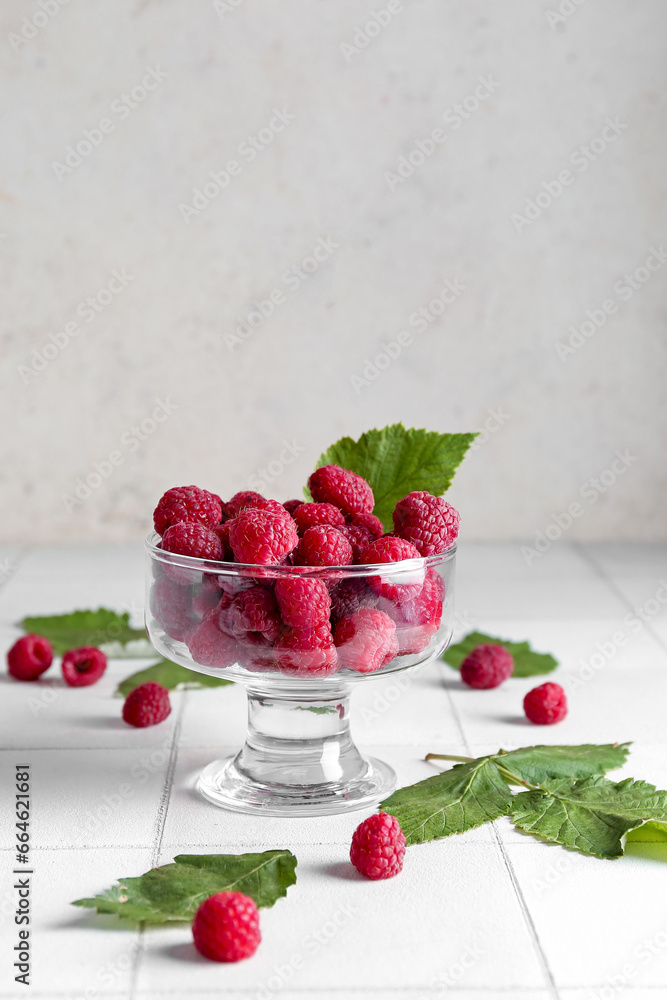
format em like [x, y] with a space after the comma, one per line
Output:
[300, 624]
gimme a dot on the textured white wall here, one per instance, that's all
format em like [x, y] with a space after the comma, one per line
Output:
[170, 334]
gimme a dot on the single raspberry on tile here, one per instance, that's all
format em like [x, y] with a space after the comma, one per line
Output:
[188, 538]
[372, 524]
[29, 657]
[430, 523]
[262, 537]
[171, 607]
[323, 546]
[226, 927]
[342, 488]
[307, 652]
[303, 602]
[186, 503]
[378, 847]
[487, 666]
[396, 585]
[309, 515]
[147, 705]
[84, 666]
[291, 505]
[545, 704]
[210, 647]
[365, 639]
[254, 617]
[348, 596]
[241, 500]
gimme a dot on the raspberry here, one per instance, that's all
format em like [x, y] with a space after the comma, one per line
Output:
[222, 531]
[378, 847]
[262, 537]
[170, 606]
[429, 522]
[206, 597]
[209, 647]
[29, 657]
[246, 498]
[147, 705]
[389, 549]
[395, 586]
[303, 603]
[365, 640]
[372, 524]
[323, 546]
[350, 595]
[307, 652]
[253, 617]
[291, 505]
[359, 539]
[309, 515]
[487, 666]
[186, 503]
[188, 538]
[343, 488]
[273, 505]
[83, 666]
[226, 927]
[545, 704]
[417, 615]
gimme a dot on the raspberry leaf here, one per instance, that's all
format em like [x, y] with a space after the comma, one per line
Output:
[106, 629]
[527, 663]
[171, 676]
[174, 891]
[649, 833]
[459, 799]
[542, 763]
[592, 815]
[396, 461]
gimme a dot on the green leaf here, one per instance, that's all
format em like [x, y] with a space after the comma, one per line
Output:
[459, 799]
[173, 892]
[171, 676]
[649, 833]
[591, 815]
[542, 763]
[527, 663]
[396, 461]
[85, 628]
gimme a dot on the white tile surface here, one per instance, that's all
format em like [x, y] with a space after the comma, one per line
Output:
[108, 801]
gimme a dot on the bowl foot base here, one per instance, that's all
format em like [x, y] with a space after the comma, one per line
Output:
[226, 783]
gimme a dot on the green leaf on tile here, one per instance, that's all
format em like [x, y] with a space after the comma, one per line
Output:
[541, 763]
[171, 676]
[174, 891]
[527, 663]
[103, 628]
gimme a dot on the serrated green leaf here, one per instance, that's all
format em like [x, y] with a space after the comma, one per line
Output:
[591, 815]
[84, 628]
[649, 833]
[459, 799]
[396, 461]
[174, 891]
[171, 676]
[542, 763]
[527, 663]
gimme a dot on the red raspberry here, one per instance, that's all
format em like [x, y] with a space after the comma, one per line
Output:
[323, 546]
[378, 847]
[226, 927]
[209, 647]
[253, 617]
[545, 704]
[395, 586]
[83, 666]
[29, 657]
[307, 652]
[273, 505]
[343, 488]
[186, 503]
[389, 549]
[370, 522]
[170, 606]
[147, 705]
[429, 522]
[304, 603]
[365, 640]
[309, 515]
[261, 537]
[487, 666]
[222, 531]
[350, 595]
[359, 539]
[291, 505]
[246, 498]
[206, 597]
[188, 538]
[417, 615]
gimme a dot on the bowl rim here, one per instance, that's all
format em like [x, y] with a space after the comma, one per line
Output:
[246, 569]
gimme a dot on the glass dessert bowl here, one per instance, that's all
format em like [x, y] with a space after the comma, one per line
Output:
[298, 638]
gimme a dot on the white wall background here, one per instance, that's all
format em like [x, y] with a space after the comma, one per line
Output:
[166, 335]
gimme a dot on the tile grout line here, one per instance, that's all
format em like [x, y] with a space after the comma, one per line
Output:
[160, 821]
[523, 905]
[587, 557]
